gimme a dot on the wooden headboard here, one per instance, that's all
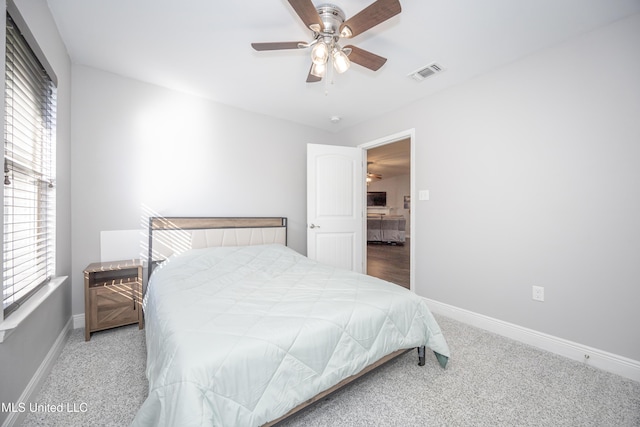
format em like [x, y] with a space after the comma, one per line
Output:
[172, 235]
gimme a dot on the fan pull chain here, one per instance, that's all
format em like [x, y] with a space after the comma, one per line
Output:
[329, 76]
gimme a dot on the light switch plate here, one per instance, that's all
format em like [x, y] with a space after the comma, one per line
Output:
[423, 195]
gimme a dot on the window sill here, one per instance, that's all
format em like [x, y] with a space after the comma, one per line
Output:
[7, 326]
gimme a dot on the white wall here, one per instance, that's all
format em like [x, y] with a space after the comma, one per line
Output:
[534, 179]
[137, 146]
[23, 352]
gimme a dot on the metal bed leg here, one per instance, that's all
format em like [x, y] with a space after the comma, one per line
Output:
[421, 356]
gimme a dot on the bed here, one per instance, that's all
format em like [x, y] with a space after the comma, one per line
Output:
[243, 331]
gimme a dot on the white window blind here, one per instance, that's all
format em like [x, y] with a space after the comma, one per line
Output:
[29, 166]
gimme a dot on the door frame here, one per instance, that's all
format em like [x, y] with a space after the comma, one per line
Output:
[411, 135]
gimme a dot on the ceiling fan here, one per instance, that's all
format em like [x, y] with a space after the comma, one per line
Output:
[328, 25]
[372, 176]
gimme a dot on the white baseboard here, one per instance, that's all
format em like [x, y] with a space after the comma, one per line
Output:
[78, 321]
[41, 374]
[619, 365]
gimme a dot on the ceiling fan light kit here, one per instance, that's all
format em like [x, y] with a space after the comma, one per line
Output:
[327, 23]
[318, 70]
[320, 53]
[340, 61]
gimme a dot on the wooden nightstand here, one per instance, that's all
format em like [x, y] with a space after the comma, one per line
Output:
[112, 295]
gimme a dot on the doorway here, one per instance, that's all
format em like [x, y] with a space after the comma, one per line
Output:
[389, 249]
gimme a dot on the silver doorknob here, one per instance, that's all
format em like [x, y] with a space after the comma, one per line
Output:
[314, 226]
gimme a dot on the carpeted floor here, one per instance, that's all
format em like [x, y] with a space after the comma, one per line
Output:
[490, 381]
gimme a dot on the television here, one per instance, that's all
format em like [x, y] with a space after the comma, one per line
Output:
[377, 198]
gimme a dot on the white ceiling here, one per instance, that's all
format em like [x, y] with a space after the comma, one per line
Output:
[203, 47]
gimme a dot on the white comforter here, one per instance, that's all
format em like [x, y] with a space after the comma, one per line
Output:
[238, 336]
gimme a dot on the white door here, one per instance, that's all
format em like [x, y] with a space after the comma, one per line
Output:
[335, 206]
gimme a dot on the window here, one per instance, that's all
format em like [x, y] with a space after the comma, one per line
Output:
[29, 168]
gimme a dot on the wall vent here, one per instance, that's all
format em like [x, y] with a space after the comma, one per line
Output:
[427, 71]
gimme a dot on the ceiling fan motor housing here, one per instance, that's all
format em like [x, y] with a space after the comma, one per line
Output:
[332, 18]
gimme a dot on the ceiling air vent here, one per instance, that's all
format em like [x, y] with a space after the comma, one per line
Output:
[425, 72]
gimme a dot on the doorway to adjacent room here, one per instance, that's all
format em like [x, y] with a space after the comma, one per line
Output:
[390, 180]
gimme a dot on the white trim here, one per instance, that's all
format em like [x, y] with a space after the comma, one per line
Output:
[610, 362]
[78, 321]
[390, 139]
[8, 325]
[41, 374]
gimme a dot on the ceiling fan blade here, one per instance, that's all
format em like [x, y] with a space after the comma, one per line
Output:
[369, 17]
[365, 58]
[277, 45]
[312, 78]
[308, 13]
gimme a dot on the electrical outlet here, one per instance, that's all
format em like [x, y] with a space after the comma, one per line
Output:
[538, 293]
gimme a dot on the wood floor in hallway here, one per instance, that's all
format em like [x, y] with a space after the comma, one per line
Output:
[390, 262]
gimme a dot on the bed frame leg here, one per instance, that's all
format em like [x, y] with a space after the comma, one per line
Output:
[421, 356]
